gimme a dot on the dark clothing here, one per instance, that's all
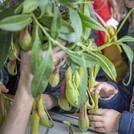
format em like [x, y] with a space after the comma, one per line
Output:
[121, 102]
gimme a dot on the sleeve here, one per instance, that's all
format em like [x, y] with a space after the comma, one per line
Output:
[120, 101]
[5, 75]
[126, 123]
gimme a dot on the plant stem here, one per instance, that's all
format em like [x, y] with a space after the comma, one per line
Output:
[84, 2]
[106, 45]
[122, 24]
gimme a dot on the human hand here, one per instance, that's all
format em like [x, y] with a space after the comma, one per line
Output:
[116, 15]
[105, 90]
[4, 89]
[104, 120]
[58, 54]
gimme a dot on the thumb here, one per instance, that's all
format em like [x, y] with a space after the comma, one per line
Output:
[4, 89]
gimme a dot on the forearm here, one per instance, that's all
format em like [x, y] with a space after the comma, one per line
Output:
[113, 4]
[20, 110]
[50, 101]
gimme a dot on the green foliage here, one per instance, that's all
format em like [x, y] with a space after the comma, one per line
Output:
[5, 42]
[42, 73]
[15, 23]
[51, 22]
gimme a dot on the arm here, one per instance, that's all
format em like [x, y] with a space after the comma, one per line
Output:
[121, 100]
[126, 128]
[20, 110]
[116, 14]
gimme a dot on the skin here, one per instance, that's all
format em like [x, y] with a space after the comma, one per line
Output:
[116, 14]
[108, 119]
[18, 115]
[105, 90]
[129, 3]
[4, 89]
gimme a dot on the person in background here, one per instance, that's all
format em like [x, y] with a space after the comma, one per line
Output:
[103, 13]
[118, 104]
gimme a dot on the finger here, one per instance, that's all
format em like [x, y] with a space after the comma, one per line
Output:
[108, 93]
[59, 55]
[56, 49]
[112, 92]
[100, 129]
[4, 89]
[95, 118]
[100, 85]
[96, 83]
[96, 124]
[97, 111]
[91, 90]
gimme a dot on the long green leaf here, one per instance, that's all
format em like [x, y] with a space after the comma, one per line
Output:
[37, 55]
[90, 61]
[15, 23]
[84, 9]
[5, 42]
[130, 55]
[68, 3]
[67, 36]
[66, 28]
[42, 74]
[128, 51]
[30, 5]
[126, 39]
[106, 65]
[43, 4]
[91, 23]
[83, 88]
[76, 23]
[56, 23]
[7, 12]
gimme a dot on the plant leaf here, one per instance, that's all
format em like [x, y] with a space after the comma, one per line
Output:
[15, 23]
[76, 23]
[56, 23]
[84, 9]
[90, 61]
[83, 88]
[30, 5]
[37, 55]
[68, 3]
[106, 65]
[7, 12]
[126, 39]
[128, 52]
[91, 23]
[5, 42]
[67, 36]
[43, 4]
[42, 74]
